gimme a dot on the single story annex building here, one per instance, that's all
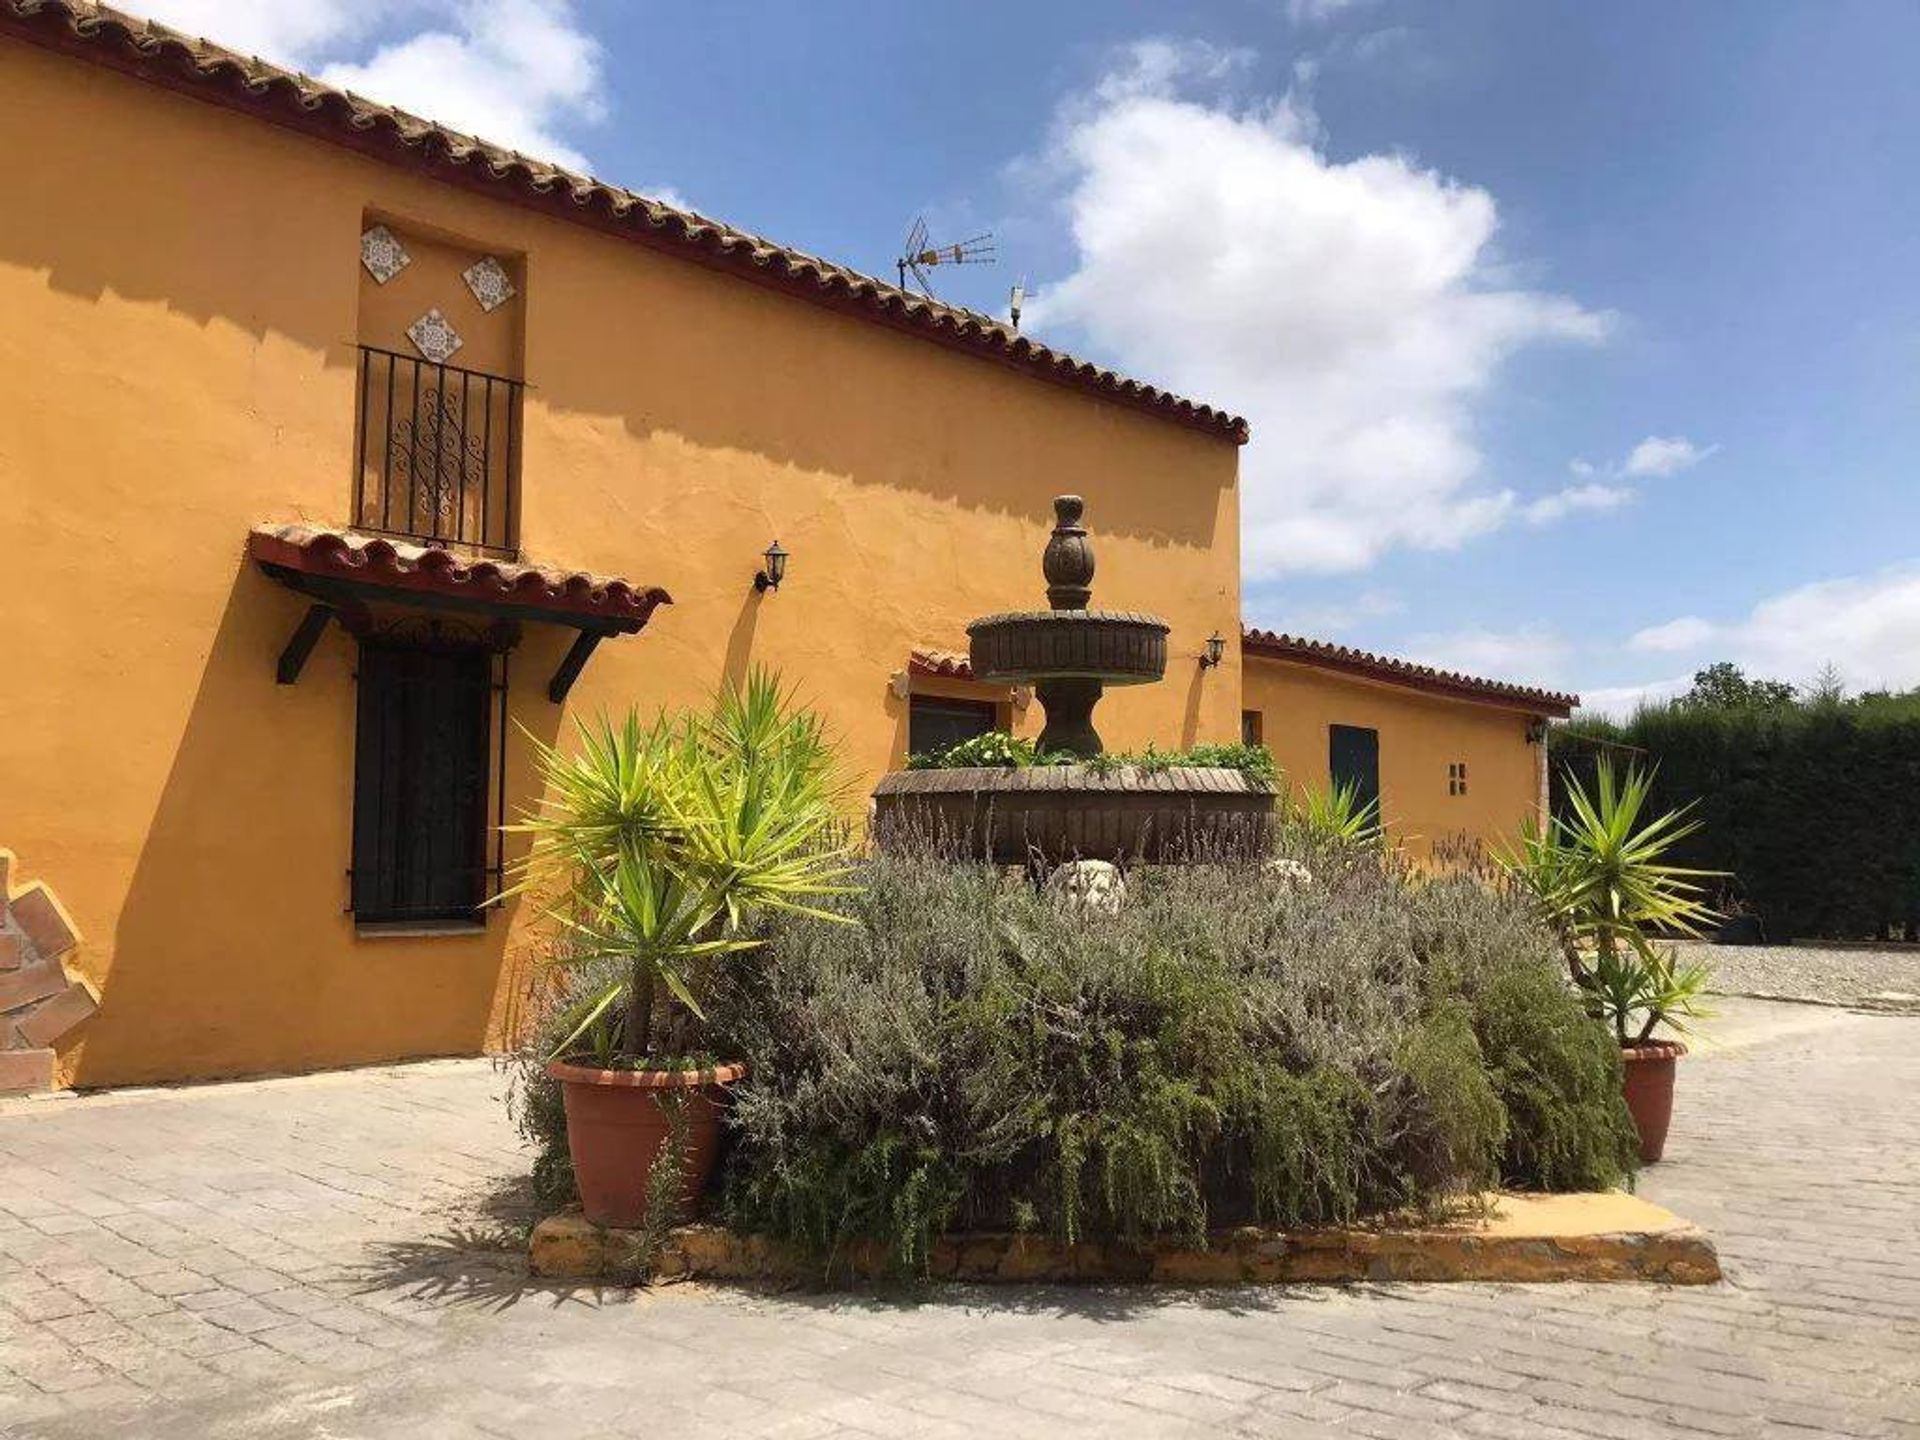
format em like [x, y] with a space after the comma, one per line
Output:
[338, 449]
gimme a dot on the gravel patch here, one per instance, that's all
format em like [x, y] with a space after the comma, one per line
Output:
[1868, 979]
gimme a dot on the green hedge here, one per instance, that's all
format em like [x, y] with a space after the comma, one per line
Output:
[1815, 809]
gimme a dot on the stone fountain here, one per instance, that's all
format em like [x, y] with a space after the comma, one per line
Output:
[1070, 654]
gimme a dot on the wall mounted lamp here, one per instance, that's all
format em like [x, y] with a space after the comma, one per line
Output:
[774, 571]
[1216, 649]
[1537, 730]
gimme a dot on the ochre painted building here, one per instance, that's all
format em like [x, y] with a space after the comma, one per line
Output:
[326, 435]
[1454, 763]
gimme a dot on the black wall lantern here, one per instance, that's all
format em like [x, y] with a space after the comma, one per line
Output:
[774, 571]
[1216, 648]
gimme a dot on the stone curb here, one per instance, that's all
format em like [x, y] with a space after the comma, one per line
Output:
[1533, 1238]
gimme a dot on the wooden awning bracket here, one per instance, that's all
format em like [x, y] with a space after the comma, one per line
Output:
[572, 664]
[306, 635]
[347, 602]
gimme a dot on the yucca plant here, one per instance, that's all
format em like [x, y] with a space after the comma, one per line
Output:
[662, 841]
[1335, 816]
[1601, 877]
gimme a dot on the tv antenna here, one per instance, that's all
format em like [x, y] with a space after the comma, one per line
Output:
[1017, 300]
[921, 256]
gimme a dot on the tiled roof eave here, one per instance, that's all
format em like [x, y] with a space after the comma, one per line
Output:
[369, 562]
[1407, 673]
[939, 665]
[152, 52]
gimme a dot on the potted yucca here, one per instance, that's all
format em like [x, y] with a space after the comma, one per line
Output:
[662, 841]
[1601, 878]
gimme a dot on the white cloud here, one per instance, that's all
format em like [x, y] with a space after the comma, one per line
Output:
[1620, 701]
[1330, 619]
[1658, 455]
[1531, 655]
[512, 71]
[1310, 12]
[517, 72]
[1600, 489]
[1689, 632]
[667, 195]
[1562, 503]
[287, 32]
[1867, 626]
[1350, 309]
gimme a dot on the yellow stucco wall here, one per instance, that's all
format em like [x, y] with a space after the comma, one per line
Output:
[179, 300]
[1421, 734]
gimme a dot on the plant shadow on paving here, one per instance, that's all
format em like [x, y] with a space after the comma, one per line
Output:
[1101, 1303]
[479, 1260]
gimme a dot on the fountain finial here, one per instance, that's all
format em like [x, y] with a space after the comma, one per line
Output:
[1068, 562]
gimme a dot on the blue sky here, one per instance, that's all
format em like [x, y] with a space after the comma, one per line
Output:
[1581, 342]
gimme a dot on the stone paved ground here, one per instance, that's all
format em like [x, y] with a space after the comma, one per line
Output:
[1838, 976]
[320, 1257]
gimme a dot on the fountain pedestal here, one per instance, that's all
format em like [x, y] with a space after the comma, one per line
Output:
[1070, 654]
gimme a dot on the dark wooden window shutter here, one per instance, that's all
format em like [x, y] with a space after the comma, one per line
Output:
[935, 723]
[1353, 758]
[420, 783]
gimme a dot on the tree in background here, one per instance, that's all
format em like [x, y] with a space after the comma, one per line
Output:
[1725, 686]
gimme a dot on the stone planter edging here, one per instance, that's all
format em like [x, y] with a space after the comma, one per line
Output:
[1594, 1237]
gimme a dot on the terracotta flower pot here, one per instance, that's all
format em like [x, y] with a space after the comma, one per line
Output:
[1649, 1088]
[617, 1126]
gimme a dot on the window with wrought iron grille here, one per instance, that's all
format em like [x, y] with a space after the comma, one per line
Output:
[423, 827]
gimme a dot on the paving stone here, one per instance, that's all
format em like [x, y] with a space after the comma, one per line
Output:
[248, 1317]
[320, 1219]
[170, 1283]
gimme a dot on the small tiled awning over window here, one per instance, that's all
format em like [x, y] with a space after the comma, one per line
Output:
[345, 573]
[939, 664]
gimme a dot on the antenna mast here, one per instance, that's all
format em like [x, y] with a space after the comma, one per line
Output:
[919, 256]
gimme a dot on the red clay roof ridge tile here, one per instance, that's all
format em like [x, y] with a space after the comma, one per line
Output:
[1403, 672]
[943, 664]
[351, 554]
[119, 40]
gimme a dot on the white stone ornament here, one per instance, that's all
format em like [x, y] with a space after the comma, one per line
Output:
[1095, 887]
[487, 278]
[1290, 873]
[383, 254]
[433, 337]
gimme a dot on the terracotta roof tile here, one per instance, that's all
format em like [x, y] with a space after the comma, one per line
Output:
[571, 595]
[125, 42]
[1403, 672]
[939, 663]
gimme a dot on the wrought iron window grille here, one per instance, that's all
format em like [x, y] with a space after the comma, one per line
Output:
[437, 452]
[429, 779]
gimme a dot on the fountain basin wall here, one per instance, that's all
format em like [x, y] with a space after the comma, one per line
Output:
[1065, 812]
[1117, 647]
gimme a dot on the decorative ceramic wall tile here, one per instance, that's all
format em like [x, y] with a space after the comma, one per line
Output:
[433, 337]
[383, 254]
[488, 280]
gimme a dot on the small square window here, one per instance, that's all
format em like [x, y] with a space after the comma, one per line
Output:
[1457, 777]
[936, 724]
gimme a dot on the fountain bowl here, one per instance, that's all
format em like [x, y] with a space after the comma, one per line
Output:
[1115, 647]
[1056, 813]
